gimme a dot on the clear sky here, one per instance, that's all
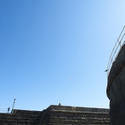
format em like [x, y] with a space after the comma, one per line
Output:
[57, 50]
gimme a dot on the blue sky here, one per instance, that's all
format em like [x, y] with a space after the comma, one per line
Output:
[56, 50]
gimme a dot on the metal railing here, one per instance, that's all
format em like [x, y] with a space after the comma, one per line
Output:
[4, 110]
[9, 109]
[119, 43]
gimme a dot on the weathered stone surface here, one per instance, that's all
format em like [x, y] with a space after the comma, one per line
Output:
[20, 117]
[66, 115]
[57, 115]
[116, 89]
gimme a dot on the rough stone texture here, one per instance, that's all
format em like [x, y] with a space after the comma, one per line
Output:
[20, 117]
[57, 115]
[66, 115]
[116, 89]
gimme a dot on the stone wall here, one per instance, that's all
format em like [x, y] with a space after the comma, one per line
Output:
[57, 115]
[66, 115]
[116, 89]
[20, 117]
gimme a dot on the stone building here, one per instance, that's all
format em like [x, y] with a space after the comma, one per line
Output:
[57, 115]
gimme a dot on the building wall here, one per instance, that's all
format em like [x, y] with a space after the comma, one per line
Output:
[57, 115]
